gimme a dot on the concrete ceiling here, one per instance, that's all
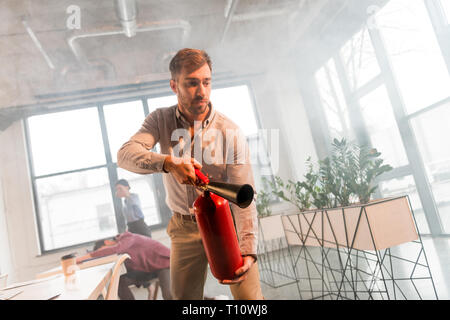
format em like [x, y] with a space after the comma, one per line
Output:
[239, 35]
[40, 64]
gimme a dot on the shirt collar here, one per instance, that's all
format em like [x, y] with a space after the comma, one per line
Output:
[205, 123]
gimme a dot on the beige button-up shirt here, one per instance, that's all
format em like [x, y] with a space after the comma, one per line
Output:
[218, 144]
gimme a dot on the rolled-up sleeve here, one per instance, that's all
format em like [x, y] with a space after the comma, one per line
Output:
[135, 154]
[240, 172]
[106, 251]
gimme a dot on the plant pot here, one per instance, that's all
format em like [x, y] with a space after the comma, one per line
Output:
[377, 225]
[271, 227]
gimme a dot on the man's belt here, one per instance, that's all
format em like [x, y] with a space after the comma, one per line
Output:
[187, 217]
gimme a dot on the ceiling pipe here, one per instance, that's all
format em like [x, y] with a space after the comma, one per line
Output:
[38, 44]
[126, 11]
[146, 27]
[261, 14]
[227, 8]
[229, 17]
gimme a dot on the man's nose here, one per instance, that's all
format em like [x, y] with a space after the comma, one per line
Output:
[201, 90]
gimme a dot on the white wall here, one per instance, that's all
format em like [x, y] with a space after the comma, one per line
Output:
[5, 253]
[18, 205]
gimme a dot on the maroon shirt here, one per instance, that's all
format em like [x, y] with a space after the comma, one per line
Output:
[146, 254]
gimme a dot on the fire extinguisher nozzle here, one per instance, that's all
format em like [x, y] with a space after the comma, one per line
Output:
[245, 196]
[241, 195]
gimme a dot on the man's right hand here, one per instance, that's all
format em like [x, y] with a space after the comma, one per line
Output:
[183, 170]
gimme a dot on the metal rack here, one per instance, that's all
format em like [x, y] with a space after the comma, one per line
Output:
[326, 265]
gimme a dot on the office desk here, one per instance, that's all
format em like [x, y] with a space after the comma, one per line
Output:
[86, 284]
[84, 265]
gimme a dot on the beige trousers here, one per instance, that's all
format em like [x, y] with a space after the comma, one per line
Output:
[188, 265]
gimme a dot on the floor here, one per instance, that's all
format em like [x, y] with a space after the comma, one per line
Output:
[405, 262]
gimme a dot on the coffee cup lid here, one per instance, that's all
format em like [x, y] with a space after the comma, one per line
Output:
[68, 256]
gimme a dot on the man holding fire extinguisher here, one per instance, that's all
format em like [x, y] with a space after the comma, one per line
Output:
[223, 155]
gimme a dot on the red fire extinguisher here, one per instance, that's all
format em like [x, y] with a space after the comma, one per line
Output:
[215, 223]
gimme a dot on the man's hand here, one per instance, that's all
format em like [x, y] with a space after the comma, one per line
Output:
[241, 273]
[82, 258]
[183, 170]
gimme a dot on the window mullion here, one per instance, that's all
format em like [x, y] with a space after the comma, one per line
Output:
[33, 185]
[354, 108]
[112, 171]
[441, 28]
[316, 116]
[145, 106]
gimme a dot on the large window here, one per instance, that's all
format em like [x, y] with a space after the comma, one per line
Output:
[236, 104]
[360, 61]
[414, 52]
[73, 161]
[66, 141]
[432, 129]
[446, 7]
[382, 128]
[333, 101]
[71, 181]
[396, 86]
[122, 121]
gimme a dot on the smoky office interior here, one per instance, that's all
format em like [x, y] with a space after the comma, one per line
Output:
[344, 105]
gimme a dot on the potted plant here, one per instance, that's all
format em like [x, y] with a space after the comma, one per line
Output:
[344, 178]
[336, 211]
[316, 188]
[368, 167]
[262, 204]
[291, 192]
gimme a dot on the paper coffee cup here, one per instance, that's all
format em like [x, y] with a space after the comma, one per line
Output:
[69, 263]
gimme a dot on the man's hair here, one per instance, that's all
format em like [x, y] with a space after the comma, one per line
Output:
[123, 182]
[99, 244]
[190, 60]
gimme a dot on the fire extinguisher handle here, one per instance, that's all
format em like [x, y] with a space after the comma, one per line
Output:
[201, 176]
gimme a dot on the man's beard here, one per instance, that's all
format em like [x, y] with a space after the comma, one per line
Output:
[192, 107]
[198, 109]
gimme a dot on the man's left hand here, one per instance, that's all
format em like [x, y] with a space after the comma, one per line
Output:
[82, 258]
[241, 273]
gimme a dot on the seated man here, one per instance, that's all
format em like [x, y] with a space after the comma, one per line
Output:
[132, 209]
[148, 259]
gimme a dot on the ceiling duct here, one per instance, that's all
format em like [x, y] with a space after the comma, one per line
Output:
[126, 11]
[145, 27]
[38, 44]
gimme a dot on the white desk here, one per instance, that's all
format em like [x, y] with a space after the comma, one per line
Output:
[86, 284]
[81, 266]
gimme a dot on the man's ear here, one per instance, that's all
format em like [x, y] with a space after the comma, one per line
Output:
[173, 86]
